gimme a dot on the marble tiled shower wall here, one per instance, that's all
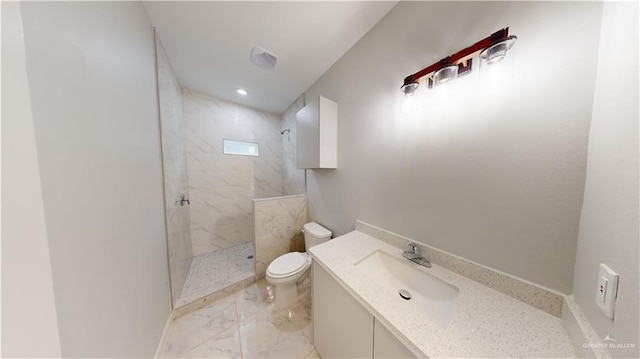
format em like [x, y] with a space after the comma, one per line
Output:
[278, 228]
[175, 172]
[222, 186]
[292, 178]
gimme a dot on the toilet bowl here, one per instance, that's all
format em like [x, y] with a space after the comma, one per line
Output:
[288, 269]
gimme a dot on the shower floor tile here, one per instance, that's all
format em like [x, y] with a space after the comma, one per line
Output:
[211, 272]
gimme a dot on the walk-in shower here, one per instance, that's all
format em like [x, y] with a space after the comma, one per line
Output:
[218, 156]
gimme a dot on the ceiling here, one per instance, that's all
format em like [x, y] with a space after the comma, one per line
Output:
[208, 44]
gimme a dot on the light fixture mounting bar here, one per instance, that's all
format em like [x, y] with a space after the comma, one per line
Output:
[460, 56]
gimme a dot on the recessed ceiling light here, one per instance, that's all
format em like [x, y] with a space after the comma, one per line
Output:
[242, 92]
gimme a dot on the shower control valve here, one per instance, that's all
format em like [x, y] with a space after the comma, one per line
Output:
[183, 199]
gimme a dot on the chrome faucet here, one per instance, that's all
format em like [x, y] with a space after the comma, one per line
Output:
[413, 254]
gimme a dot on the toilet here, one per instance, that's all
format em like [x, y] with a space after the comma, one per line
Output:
[285, 271]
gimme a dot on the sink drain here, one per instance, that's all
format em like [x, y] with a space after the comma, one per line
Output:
[404, 294]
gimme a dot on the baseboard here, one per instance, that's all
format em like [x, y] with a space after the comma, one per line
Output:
[163, 338]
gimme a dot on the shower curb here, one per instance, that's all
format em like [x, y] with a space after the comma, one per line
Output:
[212, 298]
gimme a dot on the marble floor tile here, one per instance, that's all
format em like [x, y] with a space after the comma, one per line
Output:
[224, 345]
[193, 329]
[284, 333]
[244, 325]
[313, 355]
[261, 339]
[255, 299]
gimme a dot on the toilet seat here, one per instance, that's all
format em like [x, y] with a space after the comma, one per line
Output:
[288, 264]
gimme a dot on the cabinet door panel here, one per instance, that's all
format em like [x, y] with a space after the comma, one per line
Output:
[342, 328]
[385, 345]
[307, 137]
[317, 134]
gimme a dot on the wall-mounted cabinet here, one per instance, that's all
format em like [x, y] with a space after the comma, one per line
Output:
[317, 134]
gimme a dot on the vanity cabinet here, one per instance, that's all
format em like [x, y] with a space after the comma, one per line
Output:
[317, 134]
[385, 345]
[343, 328]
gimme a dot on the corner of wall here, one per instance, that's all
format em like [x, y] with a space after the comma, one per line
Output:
[29, 317]
[584, 339]
[608, 231]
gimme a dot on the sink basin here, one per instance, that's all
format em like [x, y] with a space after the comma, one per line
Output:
[428, 294]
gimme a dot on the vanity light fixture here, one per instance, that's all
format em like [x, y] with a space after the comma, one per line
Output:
[496, 52]
[445, 75]
[492, 48]
[408, 89]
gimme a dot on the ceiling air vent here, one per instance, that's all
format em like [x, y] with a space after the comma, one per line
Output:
[263, 58]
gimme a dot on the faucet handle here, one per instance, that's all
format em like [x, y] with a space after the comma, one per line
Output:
[414, 248]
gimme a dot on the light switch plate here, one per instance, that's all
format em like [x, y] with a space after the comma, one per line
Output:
[607, 290]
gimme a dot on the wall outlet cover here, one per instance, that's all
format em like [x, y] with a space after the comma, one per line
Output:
[607, 290]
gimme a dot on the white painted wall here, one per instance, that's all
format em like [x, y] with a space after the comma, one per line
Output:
[92, 83]
[491, 168]
[29, 322]
[609, 221]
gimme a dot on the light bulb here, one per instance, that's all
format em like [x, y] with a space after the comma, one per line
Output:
[496, 52]
[445, 74]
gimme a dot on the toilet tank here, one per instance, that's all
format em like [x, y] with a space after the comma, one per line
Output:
[315, 234]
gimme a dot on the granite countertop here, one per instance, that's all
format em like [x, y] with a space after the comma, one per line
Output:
[485, 323]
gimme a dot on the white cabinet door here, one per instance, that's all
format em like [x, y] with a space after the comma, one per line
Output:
[308, 137]
[342, 328]
[385, 345]
[317, 134]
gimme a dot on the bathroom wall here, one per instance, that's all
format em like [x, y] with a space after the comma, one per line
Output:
[609, 221]
[29, 320]
[92, 85]
[292, 177]
[222, 186]
[490, 168]
[174, 167]
[278, 228]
